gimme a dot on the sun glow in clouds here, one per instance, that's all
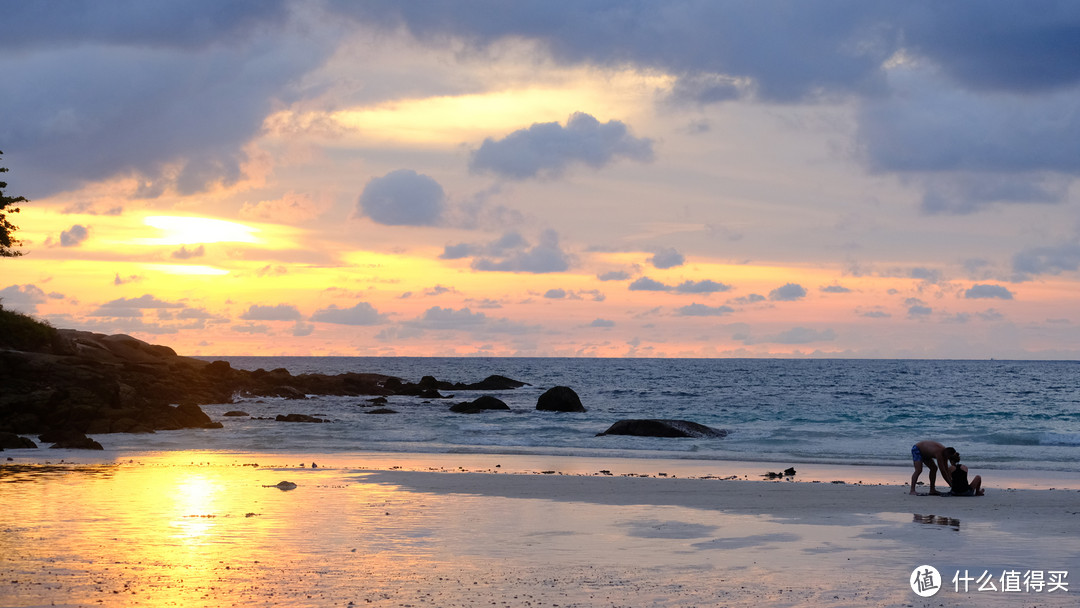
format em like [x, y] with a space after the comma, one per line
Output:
[180, 230]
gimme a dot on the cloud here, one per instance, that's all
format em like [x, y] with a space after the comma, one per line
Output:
[834, 289]
[548, 149]
[803, 335]
[753, 298]
[705, 286]
[291, 208]
[360, 314]
[23, 298]
[88, 208]
[647, 284]
[279, 312]
[788, 293]
[186, 254]
[132, 307]
[930, 275]
[987, 291]
[874, 314]
[545, 257]
[143, 301]
[403, 198]
[613, 275]
[134, 278]
[1052, 259]
[917, 308]
[602, 323]
[555, 294]
[457, 252]
[667, 258]
[701, 310]
[74, 236]
[443, 319]
[123, 81]
[301, 329]
[793, 336]
[251, 328]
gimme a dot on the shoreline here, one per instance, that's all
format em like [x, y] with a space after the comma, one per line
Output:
[472, 462]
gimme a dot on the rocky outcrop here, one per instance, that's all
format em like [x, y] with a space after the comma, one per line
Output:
[480, 404]
[11, 441]
[560, 399]
[663, 428]
[92, 383]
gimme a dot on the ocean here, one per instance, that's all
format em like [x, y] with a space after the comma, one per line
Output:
[1022, 415]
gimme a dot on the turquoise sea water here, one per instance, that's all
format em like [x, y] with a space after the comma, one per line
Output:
[998, 414]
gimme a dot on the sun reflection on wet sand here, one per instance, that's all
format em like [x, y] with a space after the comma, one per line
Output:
[192, 529]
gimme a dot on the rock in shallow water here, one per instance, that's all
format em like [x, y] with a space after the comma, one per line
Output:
[560, 399]
[663, 428]
[480, 404]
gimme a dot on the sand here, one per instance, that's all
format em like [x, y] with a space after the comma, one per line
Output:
[198, 529]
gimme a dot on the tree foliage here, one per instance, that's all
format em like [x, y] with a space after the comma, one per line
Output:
[8, 242]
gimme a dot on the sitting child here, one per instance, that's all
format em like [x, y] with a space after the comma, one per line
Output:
[960, 484]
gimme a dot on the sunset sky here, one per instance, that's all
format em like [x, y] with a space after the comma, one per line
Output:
[676, 178]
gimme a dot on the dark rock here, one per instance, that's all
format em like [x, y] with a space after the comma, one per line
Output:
[480, 404]
[11, 441]
[494, 383]
[284, 486]
[381, 410]
[378, 400]
[560, 399]
[297, 418]
[663, 428]
[70, 440]
[236, 413]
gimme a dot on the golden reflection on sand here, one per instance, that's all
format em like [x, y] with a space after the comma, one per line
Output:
[199, 530]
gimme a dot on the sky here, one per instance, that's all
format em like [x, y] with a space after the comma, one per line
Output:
[540, 178]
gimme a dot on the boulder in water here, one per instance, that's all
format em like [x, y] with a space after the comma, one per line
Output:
[663, 428]
[560, 399]
[480, 404]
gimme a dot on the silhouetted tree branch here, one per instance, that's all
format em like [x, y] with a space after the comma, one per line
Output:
[7, 242]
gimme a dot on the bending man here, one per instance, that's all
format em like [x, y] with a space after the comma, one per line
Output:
[935, 456]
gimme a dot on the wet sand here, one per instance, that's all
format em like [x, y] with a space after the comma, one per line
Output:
[197, 529]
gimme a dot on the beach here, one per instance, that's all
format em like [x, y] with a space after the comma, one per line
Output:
[189, 528]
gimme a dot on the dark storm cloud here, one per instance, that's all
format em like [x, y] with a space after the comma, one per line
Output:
[548, 149]
[789, 49]
[108, 88]
[403, 198]
[129, 87]
[981, 88]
